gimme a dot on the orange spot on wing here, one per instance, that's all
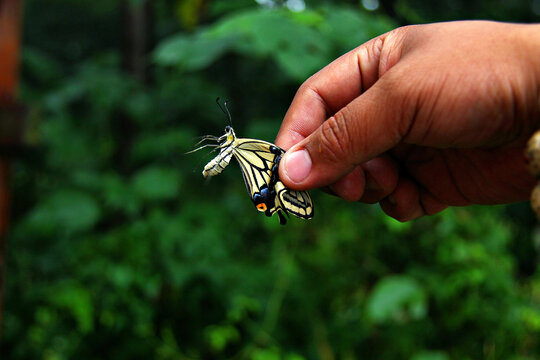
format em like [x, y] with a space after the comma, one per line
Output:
[261, 207]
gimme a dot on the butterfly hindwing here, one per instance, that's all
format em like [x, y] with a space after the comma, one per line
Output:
[295, 202]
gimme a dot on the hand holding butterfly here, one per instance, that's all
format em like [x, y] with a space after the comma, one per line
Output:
[420, 118]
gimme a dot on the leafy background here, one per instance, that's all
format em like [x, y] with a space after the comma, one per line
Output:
[119, 250]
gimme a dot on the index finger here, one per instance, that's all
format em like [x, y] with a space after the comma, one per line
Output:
[329, 90]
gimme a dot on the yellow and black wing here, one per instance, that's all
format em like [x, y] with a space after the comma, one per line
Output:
[259, 161]
[256, 161]
[295, 202]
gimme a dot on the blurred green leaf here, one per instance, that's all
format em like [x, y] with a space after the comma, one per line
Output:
[156, 183]
[348, 28]
[77, 301]
[531, 317]
[162, 144]
[65, 211]
[220, 336]
[265, 354]
[139, 106]
[117, 195]
[397, 298]
[294, 357]
[192, 52]
[431, 355]
[242, 307]
[299, 49]
[396, 226]
[40, 65]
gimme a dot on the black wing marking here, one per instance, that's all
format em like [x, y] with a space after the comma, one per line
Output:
[295, 202]
[256, 161]
[259, 161]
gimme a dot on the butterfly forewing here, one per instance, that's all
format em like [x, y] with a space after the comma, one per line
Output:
[256, 161]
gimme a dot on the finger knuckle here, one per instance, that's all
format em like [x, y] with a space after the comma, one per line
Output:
[335, 138]
[309, 90]
[304, 89]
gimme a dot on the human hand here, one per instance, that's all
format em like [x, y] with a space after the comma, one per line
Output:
[420, 118]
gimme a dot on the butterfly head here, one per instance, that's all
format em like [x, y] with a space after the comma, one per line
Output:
[229, 134]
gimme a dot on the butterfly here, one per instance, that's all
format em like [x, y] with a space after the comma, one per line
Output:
[259, 162]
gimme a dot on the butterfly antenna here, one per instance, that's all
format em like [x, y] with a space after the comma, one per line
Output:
[225, 110]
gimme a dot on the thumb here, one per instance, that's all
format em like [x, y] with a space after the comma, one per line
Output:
[368, 126]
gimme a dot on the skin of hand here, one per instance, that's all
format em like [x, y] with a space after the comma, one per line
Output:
[420, 118]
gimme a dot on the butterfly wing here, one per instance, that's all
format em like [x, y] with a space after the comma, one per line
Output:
[294, 202]
[256, 161]
[259, 162]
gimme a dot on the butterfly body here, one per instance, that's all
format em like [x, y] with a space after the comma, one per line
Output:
[218, 164]
[259, 162]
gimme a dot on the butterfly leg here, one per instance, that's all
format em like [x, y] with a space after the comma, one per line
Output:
[282, 219]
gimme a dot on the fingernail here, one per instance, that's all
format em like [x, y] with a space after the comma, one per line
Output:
[297, 165]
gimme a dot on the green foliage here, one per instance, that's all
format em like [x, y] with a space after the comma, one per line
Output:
[300, 43]
[396, 298]
[63, 211]
[119, 249]
[430, 355]
[419, 11]
[156, 183]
